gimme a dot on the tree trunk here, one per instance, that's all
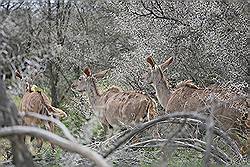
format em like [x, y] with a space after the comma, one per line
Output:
[53, 74]
[53, 81]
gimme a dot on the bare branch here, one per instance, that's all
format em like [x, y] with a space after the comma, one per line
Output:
[55, 139]
[217, 154]
[150, 12]
[51, 119]
[159, 6]
[195, 118]
[17, 5]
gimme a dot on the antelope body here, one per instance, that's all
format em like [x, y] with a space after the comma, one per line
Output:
[38, 102]
[227, 107]
[115, 108]
[220, 102]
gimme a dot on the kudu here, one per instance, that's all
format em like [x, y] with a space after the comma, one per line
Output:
[231, 112]
[115, 108]
[38, 102]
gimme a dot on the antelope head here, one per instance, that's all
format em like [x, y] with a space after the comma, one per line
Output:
[155, 73]
[85, 80]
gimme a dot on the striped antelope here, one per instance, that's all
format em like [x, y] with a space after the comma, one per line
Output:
[233, 114]
[115, 108]
[37, 102]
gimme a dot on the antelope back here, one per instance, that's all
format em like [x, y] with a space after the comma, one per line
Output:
[192, 98]
[128, 109]
[32, 102]
[229, 107]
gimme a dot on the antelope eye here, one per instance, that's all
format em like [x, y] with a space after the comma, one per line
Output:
[80, 79]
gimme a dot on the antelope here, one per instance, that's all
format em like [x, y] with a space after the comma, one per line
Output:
[189, 97]
[38, 102]
[115, 108]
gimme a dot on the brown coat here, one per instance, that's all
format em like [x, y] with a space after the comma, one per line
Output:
[127, 109]
[38, 102]
[115, 108]
[228, 108]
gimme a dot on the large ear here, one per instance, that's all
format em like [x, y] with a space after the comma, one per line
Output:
[87, 71]
[151, 61]
[101, 74]
[18, 74]
[166, 64]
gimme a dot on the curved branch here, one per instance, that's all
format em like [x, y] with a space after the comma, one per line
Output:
[197, 148]
[217, 154]
[195, 118]
[57, 140]
[51, 119]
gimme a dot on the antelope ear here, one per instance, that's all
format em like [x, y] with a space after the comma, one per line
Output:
[151, 61]
[101, 74]
[18, 74]
[87, 71]
[166, 64]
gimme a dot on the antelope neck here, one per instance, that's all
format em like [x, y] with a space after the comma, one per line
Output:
[162, 91]
[93, 92]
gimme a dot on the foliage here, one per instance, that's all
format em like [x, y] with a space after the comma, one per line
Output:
[17, 100]
[98, 132]
[207, 40]
[76, 116]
